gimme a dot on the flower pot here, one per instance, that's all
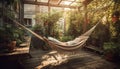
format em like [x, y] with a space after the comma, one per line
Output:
[109, 56]
[11, 46]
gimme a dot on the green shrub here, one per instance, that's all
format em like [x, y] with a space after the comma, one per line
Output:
[66, 38]
[113, 48]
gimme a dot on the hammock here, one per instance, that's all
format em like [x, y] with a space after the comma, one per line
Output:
[70, 45]
[54, 43]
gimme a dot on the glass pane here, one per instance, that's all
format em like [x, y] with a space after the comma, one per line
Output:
[43, 9]
[80, 0]
[54, 1]
[29, 9]
[56, 9]
[65, 2]
[76, 4]
[68, 0]
[42, 1]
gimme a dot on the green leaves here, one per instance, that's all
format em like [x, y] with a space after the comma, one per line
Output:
[111, 47]
[48, 21]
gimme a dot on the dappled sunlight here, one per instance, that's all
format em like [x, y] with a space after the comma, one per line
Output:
[52, 58]
[67, 2]
[55, 34]
[55, 58]
[67, 9]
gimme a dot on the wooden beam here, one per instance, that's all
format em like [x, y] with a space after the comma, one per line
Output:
[35, 0]
[85, 19]
[46, 4]
[72, 2]
[86, 2]
[49, 6]
[59, 2]
[48, 1]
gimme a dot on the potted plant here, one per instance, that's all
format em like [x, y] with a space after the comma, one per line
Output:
[14, 36]
[11, 35]
[111, 51]
[6, 37]
[108, 51]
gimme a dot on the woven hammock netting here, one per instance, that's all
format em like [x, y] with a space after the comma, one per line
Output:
[55, 44]
[69, 46]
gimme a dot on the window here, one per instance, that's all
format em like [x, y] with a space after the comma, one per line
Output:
[28, 21]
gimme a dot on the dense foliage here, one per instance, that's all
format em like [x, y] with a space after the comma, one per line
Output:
[48, 21]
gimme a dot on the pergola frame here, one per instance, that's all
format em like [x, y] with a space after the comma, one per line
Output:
[58, 4]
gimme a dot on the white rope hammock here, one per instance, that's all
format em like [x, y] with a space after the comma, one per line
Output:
[70, 45]
[73, 44]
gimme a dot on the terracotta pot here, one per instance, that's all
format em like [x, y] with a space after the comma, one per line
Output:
[109, 56]
[11, 46]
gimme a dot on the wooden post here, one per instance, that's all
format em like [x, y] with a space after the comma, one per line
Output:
[64, 21]
[37, 10]
[22, 12]
[49, 8]
[85, 19]
[1, 14]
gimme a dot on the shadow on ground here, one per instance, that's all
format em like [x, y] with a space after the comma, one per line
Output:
[70, 63]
